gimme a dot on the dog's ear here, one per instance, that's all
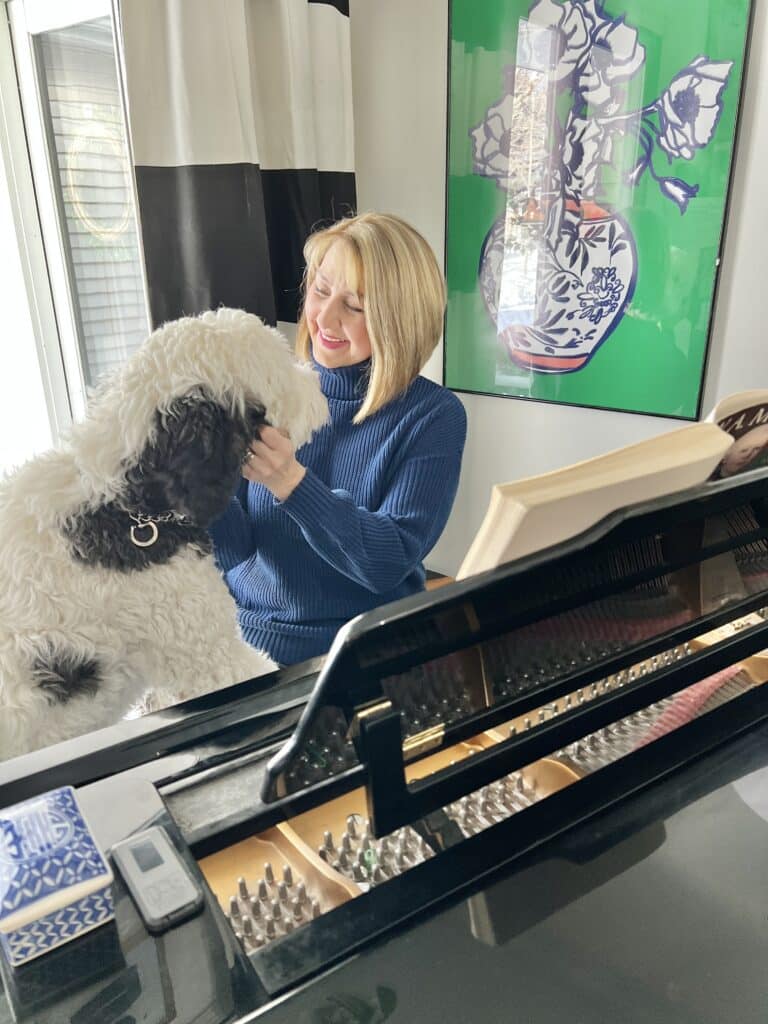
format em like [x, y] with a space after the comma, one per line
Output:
[193, 463]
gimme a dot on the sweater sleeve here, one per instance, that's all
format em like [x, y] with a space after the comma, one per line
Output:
[379, 548]
[233, 533]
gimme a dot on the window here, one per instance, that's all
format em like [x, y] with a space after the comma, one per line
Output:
[73, 110]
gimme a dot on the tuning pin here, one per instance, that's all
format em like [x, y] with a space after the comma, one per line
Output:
[263, 891]
[282, 892]
[287, 874]
[358, 874]
[346, 843]
[234, 907]
[242, 889]
[352, 826]
[301, 892]
[269, 874]
[255, 906]
[270, 928]
[298, 913]
[315, 908]
[323, 854]
[248, 927]
[276, 910]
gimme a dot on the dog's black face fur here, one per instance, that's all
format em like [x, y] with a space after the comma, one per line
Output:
[192, 467]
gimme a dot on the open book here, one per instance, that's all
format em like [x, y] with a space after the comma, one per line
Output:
[534, 513]
[539, 511]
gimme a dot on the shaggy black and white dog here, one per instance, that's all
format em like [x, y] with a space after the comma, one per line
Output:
[108, 587]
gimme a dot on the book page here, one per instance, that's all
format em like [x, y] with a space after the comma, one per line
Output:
[534, 513]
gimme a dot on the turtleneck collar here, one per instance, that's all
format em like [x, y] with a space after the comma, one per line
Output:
[347, 383]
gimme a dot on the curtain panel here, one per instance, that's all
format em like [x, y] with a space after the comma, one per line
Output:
[240, 118]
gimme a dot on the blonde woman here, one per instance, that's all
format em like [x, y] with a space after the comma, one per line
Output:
[318, 535]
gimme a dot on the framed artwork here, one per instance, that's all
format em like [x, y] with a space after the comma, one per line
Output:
[590, 149]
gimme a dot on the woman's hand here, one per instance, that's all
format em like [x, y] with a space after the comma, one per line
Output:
[271, 461]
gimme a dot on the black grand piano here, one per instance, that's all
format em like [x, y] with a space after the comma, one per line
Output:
[537, 795]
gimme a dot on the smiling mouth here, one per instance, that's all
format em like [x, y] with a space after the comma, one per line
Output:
[330, 342]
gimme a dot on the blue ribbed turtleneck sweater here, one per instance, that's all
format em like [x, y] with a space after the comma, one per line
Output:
[352, 535]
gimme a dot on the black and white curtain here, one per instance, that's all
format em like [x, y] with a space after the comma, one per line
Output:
[240, 115]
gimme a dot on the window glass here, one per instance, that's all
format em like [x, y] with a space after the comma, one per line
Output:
[92, 174]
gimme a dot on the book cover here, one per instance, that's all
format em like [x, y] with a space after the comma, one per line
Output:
[745, 417]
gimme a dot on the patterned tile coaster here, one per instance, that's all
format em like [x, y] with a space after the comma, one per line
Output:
[70, 975]
[54, 881]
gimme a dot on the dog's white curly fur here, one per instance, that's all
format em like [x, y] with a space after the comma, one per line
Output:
[171, 627]
[236, 357]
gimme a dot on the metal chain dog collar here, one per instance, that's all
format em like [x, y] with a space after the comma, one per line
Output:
[142, 521]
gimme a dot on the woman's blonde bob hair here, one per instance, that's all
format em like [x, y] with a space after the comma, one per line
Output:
[393, 269]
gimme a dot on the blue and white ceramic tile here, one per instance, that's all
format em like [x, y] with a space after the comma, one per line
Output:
[47, 850]
[71, 921]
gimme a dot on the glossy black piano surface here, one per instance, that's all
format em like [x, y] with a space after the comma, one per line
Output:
[653, 912]
[563, 767]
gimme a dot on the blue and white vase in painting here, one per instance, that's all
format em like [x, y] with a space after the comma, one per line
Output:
[558, 267]
[559, 303]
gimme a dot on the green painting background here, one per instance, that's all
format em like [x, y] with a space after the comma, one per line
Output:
[653, 362]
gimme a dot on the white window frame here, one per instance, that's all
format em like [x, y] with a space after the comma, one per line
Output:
[29, 18]
[29, 239]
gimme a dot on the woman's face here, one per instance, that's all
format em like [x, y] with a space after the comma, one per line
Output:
[335, 316]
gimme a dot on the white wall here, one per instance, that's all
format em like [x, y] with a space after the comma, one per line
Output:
[399, 76]
[739, 350]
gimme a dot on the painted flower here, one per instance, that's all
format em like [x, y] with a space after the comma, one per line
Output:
[602, 296]
[586, 147]
[690, 108]
[499, 145]
[678, 191]
[615, 56]
[573, 22]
